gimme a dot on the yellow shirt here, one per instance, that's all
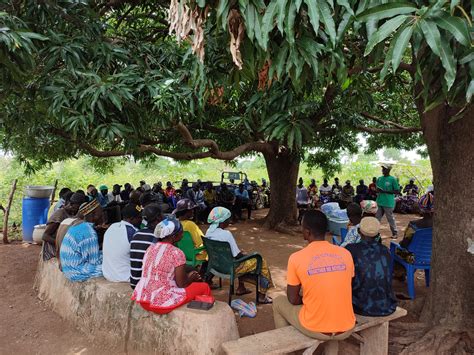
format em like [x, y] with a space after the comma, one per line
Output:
[210, 196]
[196, 235]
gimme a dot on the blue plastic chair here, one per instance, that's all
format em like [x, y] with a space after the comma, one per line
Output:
[335, 239]
[420, 246]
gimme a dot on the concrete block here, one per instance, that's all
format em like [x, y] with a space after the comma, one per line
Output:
[104, 309]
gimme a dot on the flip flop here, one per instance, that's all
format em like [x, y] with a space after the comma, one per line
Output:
[246, 292]
[266, 300]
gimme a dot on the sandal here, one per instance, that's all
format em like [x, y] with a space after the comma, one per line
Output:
[245, 292]
[266, 300]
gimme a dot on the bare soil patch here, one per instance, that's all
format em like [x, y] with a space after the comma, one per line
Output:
[29, 326]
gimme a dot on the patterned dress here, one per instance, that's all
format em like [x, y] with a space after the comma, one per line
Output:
[80, 256]
[157, 287]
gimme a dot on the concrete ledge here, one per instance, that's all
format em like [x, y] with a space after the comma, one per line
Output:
[104, 310]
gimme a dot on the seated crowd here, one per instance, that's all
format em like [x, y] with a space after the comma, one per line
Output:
[326, 284]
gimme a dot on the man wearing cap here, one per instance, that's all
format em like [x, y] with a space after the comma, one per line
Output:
[79, 251]
[116, 247]
[372, 293]
[142, 240]
[387, 188]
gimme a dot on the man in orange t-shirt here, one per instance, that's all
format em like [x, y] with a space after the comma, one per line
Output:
[324, 273]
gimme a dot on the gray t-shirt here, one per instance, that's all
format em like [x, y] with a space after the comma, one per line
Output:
[222, 235]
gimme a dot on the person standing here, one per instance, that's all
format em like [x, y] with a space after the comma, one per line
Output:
[387, 188]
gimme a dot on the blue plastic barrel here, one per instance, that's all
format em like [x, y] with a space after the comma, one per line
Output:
[34, 211]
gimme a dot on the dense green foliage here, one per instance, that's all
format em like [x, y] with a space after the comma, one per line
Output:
[108, 80]
[77, 174]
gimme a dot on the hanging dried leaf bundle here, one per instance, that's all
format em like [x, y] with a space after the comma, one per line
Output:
[184, 21]
[236, 30]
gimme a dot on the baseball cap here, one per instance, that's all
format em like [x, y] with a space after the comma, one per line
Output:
[386, 166]
[184, 204]
[369, 226]
[103, 187]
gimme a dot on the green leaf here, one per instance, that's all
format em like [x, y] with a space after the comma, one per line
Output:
[298, 5]
[386, 10]
[441, 49]
[281, 14]
[345, 4]
[251, 14]
[326, 18]
[456, 26]
[400, 46]
[290, 23]
[468, 58]
[281, 60]
[470, 91]
[298, 137]
[291, 137]
[449, 64]
[267, 22]
[388, 57]
[453, 4]
[343, 25]
[432, 36]
[222, 12]
[384, 31]
[313, 14]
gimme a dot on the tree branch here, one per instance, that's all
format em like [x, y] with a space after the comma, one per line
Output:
[213, 151]
[404, 130]
[382, 121]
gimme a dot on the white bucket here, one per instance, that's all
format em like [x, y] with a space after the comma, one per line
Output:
[38, 233]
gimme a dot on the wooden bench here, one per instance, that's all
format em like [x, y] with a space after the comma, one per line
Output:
[371, 332]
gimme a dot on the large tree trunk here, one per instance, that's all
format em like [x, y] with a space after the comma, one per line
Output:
[450, 145]
[283, 172]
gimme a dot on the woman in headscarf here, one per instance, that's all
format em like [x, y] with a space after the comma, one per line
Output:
[165, 284]
[219, 218]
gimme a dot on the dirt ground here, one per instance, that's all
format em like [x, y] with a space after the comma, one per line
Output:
[27, 326]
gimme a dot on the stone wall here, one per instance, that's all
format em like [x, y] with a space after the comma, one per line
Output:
[104, 309]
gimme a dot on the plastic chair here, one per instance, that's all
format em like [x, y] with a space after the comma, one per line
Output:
[335, 239]
[420, 246]
[186, 244]
[222, 264]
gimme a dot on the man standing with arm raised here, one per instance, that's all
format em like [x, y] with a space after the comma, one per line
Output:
[387, 188]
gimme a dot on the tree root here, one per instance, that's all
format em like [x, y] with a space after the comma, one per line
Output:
[412, 338]
[281, 227]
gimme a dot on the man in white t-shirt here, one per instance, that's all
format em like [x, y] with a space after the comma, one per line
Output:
[116, 247]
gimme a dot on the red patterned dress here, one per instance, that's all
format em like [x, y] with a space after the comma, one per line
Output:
[157, 290]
